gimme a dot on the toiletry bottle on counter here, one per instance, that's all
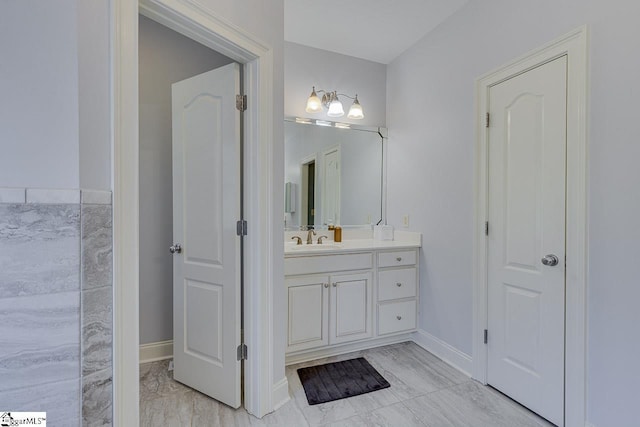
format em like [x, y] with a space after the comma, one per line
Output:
[337, 234]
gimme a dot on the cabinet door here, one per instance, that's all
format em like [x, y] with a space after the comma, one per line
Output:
[308, 322]
[350, 307]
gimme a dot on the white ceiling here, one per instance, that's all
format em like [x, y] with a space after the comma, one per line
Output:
[377, 30]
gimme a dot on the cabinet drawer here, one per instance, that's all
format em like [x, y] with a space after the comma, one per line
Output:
[396, 284]
[396, 317]
[397, 258]
[327, 263]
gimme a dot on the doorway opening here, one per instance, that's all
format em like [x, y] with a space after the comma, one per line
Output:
[213, 31]
[308, 182]
[190, 188]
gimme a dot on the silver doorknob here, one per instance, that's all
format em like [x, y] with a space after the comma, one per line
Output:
[550, 260]
[175, 248]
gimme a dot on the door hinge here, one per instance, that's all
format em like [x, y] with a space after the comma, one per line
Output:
[487, 122]
[486, 228]
[242, 352]
[241, 102]
[486, 336]
[241, 228]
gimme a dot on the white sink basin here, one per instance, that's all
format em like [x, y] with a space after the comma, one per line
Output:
[313, 247]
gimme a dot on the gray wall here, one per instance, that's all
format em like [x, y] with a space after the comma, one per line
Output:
[165, 57]
[55, 111]
[94, 94]
[307, 66]
[433, 145]
[39, 101]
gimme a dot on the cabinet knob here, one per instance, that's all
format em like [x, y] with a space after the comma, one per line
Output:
[398, 284]
[335, 285]
[399, 259]
[399, 317]
[326, 285]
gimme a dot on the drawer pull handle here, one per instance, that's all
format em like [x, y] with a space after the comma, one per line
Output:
[399, 317]
[326, 285]
[398, 284]
[399, 259]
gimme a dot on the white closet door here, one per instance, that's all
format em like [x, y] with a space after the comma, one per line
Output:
[527, 170]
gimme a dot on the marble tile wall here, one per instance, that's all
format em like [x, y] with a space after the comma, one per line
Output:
[97, 312]
[56, 304]
[40, 310]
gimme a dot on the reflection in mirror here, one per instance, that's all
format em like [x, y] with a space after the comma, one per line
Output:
[333, 175]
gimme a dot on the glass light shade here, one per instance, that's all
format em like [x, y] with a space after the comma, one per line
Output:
[313, 105]
[335, 108]
[355, 112]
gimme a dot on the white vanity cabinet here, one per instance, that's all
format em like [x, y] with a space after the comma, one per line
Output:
[343, 301]
[330, 308]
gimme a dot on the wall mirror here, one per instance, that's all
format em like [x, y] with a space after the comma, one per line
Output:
[334, 174]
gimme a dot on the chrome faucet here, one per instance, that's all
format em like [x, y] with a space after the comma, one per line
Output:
[310, 235]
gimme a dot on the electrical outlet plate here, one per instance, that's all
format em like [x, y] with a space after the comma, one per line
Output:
[405, 221]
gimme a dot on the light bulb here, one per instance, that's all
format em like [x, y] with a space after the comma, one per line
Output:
[335, 107]
[314, 105]
[355, 112]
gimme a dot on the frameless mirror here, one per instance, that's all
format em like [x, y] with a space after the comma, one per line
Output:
[333, 174]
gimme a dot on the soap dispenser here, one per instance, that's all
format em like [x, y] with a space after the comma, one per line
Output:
[337, 234]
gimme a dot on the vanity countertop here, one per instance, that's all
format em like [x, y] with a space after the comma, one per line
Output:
[403, 240]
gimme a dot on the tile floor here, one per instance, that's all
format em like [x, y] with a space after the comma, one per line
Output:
[424, 391]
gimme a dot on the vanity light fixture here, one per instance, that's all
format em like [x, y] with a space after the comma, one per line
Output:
[331, 101]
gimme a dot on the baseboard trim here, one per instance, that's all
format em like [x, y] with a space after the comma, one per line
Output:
[155, 351]
[307, 355]
[280, 393]
[444, 351]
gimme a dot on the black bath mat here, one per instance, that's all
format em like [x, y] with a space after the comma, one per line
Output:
[333, 381]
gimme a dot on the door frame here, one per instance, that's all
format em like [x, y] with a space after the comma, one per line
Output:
[214, 31]
[575, 46]
[304, 187]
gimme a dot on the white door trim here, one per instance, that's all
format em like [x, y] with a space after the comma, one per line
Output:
[214, 31]
[574, 45]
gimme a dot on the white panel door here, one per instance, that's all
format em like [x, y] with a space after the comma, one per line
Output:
[350, 307]
[331, 186]
[206, 206]
[526, 299]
